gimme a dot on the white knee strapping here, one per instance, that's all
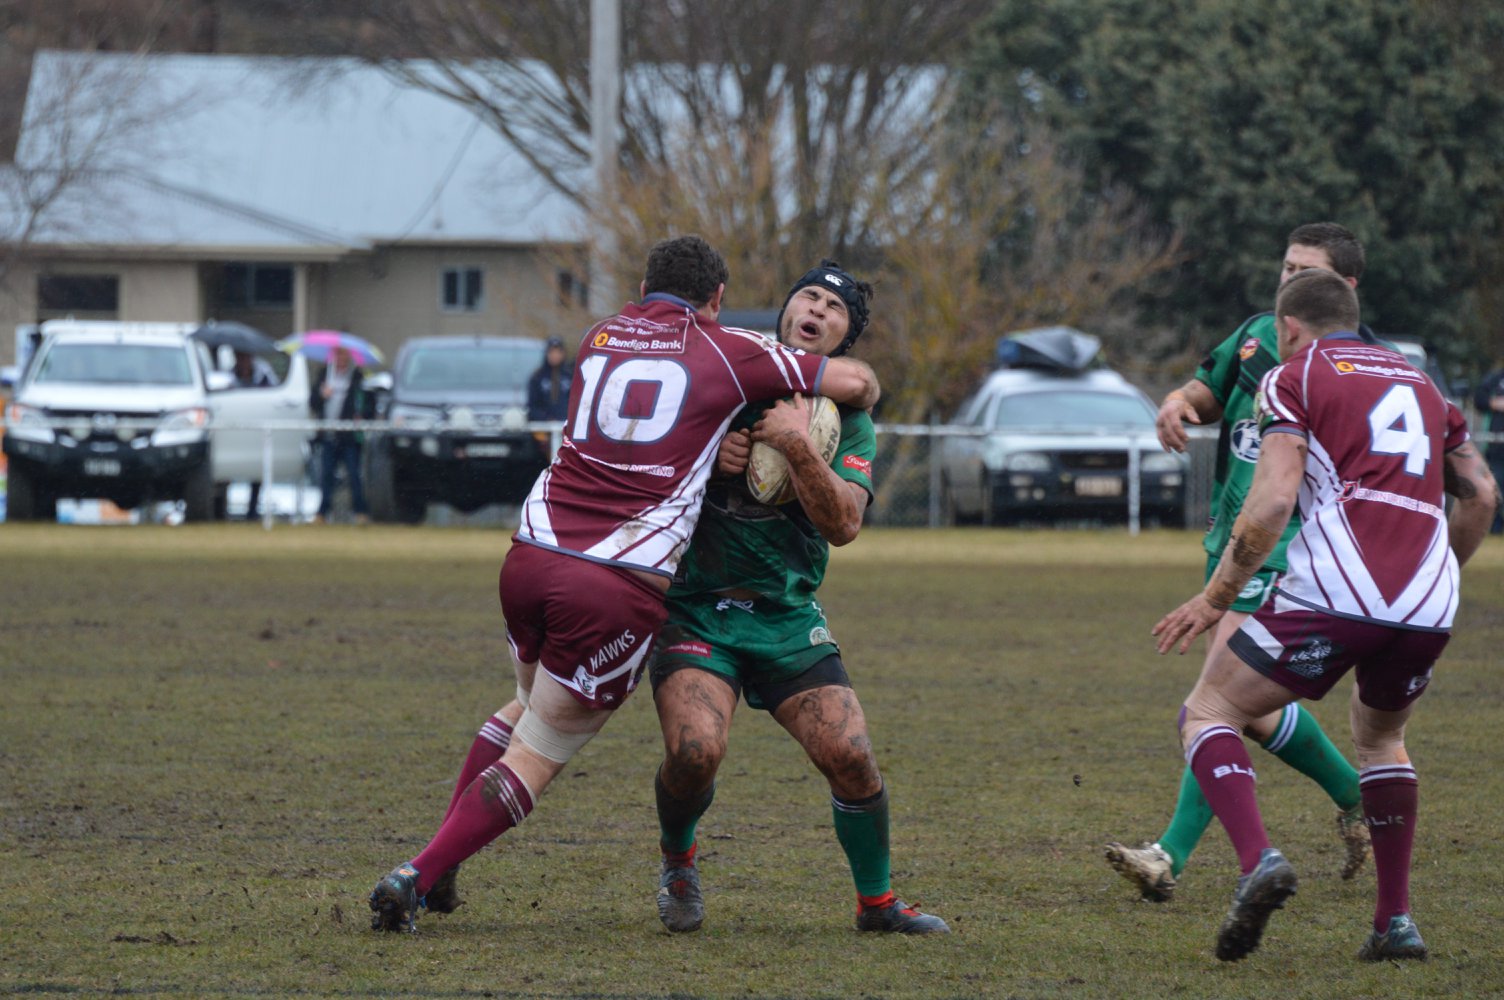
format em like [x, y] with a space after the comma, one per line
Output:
[547, 741]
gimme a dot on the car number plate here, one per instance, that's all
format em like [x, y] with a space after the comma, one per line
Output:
[1099, 486]
[101, 466]
[488, 450]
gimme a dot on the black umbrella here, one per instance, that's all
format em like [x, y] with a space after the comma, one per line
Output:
[235, 336]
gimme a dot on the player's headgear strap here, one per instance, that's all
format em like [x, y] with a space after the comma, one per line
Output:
[830, 275]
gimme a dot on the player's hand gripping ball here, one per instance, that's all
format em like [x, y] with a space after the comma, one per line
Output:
[768, 476]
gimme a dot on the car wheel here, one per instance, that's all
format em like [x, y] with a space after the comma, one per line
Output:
[27, 499]
[198, 494]
[389, 502]
[998, 510]
[1170, 517]
[950, 513]
[411, 507]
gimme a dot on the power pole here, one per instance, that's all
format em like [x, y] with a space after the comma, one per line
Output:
[605, 111]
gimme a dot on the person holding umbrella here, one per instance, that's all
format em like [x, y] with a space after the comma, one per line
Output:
[340, 395]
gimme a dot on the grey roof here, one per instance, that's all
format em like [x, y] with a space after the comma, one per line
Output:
[302, 156]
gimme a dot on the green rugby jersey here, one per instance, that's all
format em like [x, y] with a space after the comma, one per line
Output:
[1232, 372]
[775, 551]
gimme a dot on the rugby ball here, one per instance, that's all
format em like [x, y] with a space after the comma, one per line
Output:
[768, 478]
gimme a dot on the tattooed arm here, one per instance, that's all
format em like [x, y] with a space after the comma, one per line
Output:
[834, 505]
[1266, 511]
[1467, 478]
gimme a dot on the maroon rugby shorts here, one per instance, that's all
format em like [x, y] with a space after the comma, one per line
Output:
[589, 625]
[1308, 652]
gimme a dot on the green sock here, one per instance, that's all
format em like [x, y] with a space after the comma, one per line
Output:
[1192, 817]
[1299, 741]
[677, 818]
[862, 829]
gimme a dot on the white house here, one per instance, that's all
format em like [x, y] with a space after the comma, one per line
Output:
[290, 194]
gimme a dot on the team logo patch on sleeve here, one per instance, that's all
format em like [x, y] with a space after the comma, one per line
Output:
[1249, 349]
[858, 463]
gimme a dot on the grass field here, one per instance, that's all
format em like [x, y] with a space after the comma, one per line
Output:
[214, 739]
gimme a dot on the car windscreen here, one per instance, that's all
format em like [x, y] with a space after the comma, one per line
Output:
[115, 364]
[479, 366]
[1071, 408]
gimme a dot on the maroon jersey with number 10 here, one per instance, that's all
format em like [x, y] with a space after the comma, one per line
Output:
[1373, 539]
[654, 390]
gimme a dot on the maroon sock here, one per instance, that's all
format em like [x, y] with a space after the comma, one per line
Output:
[1224, 771]
[1391, 801]
[490, 743]
[494, 802]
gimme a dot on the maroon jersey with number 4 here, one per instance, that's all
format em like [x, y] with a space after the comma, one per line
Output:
[1373, 538]
[654, 390]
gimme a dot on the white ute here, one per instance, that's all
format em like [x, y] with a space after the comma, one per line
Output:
[133, 413]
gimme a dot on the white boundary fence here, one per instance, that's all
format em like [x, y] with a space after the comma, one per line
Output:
[908, 470]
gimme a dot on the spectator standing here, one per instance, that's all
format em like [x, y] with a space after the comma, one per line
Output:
[252, 372]
[340, 394]
[548, 386]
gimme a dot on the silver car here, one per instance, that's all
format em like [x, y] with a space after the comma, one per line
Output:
[1042, 445]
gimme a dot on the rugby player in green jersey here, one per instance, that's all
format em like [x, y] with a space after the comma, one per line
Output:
[744, 621]
[1224, 388]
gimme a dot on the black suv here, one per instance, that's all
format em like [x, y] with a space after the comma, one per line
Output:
[459, 406]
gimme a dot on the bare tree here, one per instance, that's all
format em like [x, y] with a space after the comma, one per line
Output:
[840, 72]
[967, 238]
[84, 121]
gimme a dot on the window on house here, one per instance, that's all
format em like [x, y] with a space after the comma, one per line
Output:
[266, 286]
[572, 291]
[65, 294]
[462, 290]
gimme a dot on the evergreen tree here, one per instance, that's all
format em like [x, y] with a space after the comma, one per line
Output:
[1236, 120]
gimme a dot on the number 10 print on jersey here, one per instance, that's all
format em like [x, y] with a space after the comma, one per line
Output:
[655, 389]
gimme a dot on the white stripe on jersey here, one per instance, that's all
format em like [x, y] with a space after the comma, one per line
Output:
[1327, 569]
[793, 378]
[536, 523]
[1270, 392]
[655, 538]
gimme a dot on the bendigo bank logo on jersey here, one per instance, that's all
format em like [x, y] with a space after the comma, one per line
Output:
[1372, 361]
[636, 336]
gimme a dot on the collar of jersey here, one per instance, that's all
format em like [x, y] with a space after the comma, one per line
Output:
[666, 297]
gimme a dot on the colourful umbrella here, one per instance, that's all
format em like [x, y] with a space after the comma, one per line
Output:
[317, 344]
